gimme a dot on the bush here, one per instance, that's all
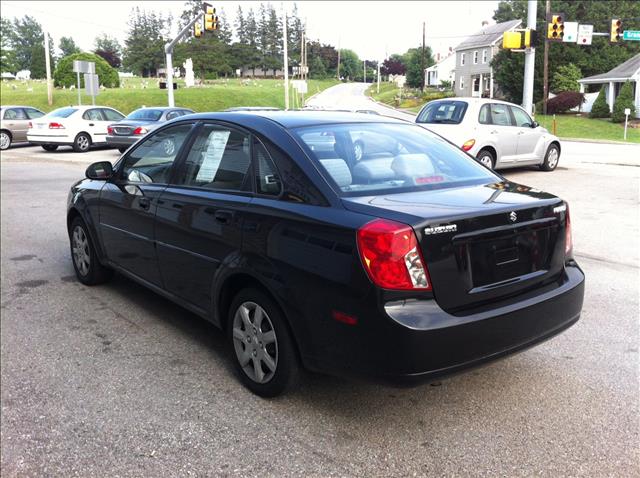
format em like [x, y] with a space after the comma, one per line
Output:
[566, 78]
[624, 100]
[65, 76]
[436, 95]
[600, 108]
[564, 102]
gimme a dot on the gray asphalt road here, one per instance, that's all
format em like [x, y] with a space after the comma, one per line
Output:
[116, 381]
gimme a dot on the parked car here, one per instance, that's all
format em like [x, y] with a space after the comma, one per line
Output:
[403, 267]
[138, 123]
[14, 123]
[77, 126]
[497, 133]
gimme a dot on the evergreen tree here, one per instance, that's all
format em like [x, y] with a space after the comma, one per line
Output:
[27, 42]
[7, 55]
[600, 108]
[144, 45]
[623, 101]
[241, 27]
[566, 78]
[67, 47]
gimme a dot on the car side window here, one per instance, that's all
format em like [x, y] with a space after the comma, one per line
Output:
[152, 159]
[15, 114]
[112, 115]
[522, 118]
[485, 115]
[500, 115]
[92, 115]
[219, 159]
[172, 114]
[267, 179]
[33, 113]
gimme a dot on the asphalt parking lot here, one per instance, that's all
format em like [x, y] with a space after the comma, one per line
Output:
[116, 381]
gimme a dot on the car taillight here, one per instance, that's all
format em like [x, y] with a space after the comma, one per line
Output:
[140, 130]
[390, 255]
[568, 239]
[468, 144]
[109, 130]
[54, 125]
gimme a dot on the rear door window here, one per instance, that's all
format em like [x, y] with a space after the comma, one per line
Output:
[500, 115]
[111, 115]
[15, 114]
[33, 113]
[447, 112]
[267, 178]
[93, 115]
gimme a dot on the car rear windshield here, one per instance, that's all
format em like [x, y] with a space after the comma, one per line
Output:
[447, 112]
[145, 115]
[370, 158]
[62, 112]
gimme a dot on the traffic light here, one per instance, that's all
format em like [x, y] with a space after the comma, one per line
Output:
[210, 19]
[555, 29]
[197, 29]
[530, 38]
[616, 30]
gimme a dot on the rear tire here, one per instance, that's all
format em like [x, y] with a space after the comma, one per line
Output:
[88, 269]
[485, 157]
[82, 143]
[49, 147]
[5, 140]
[123, 149]
[265, 357]
[551, 159]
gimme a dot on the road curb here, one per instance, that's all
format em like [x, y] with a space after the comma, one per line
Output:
[598, 141]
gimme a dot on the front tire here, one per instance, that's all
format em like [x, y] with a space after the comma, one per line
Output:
[5, 140]
[265, 358]
[82, 143]
[485, 157]
[551, 159]
[49, 147]
[88, 269]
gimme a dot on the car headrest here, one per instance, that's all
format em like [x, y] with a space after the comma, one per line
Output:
[407, 166]
[338, 170]
[378, 169]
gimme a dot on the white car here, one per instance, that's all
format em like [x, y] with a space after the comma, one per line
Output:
[76, 126]
[497, 133]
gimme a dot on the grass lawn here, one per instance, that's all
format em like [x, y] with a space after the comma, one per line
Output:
[388, 94]
[572, 126]
[213, 96]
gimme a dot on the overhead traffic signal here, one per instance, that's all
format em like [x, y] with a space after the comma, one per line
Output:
[616, 30]
[197, 29]
[210, 18]
[555, 28]
[530, 38]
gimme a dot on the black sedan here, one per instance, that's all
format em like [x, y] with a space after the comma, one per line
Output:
[405, 265]
[124, 133]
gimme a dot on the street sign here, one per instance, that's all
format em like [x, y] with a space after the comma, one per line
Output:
[80, 66]
[300, 86]
[91, 84]
[570, 32]
[585, 34]
[633, 35]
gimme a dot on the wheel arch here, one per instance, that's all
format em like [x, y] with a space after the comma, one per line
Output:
[491, 149]
[5, 130]
[75, 212]
[555, 142]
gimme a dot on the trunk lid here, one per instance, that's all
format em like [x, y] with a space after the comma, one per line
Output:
[127, 129]
[480, 243]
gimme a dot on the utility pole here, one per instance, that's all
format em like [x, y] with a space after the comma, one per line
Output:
[286, 60]
[422, 62]
[48, 66]
[545, 73]
[378, 87]
[364, 69]
[338, 69]
[529, 60]
[168, 49]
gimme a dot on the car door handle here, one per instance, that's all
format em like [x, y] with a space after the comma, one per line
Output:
[91, 124]
[145, 203]
[494, 132]
[223, 216]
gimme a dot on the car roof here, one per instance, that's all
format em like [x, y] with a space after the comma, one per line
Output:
[19, 106]
[163, 108]
[295, 119]
[85, 107]
[475, 101]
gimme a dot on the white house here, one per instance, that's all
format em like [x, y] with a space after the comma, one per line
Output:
[444, 70]
[615, 78]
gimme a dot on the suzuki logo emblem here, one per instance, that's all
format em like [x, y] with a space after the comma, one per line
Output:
[513, 216]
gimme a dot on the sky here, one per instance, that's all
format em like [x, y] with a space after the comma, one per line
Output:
[372, 29]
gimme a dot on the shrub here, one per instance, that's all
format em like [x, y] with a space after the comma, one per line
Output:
[624, 100]
[600, 108]
[65, 76]
[436, 95]
[566, 78]
[564, 102]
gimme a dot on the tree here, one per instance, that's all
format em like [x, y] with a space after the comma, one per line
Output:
[7, 55]
[600, 57]
[394, 65]
[27, 42]
[144, 45]
[600, 108]
[108, 48]
[65, 76]
[623, 101]
[67, 47]
[566, 78]
[350, 64]
[564, 102]
[414, 65]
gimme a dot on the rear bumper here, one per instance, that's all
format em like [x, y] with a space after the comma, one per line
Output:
[122, 141]
[424, 343]
[49, 139]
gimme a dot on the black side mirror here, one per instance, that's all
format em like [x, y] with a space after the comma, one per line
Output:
[99, 170]
[535, 124]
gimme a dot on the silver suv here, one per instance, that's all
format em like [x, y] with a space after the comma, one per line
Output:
[497, 133]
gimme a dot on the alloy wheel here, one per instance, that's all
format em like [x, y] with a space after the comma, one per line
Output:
[487, 160]
[83, 143]
[358, 151]
[169, 147]
[81, 252]
[255, 342]
[5, 140]
[552, 158]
